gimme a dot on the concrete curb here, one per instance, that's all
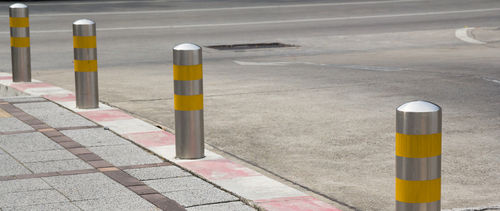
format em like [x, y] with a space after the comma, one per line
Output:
[250, 185]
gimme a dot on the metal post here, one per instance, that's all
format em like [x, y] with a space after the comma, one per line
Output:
[418, 157]
[20, 42]
[85, 55]
[188, 102]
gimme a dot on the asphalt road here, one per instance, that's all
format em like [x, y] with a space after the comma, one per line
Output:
[319, 116]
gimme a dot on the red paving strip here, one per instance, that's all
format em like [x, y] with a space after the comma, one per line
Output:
[94, 160]
[60, 97]
[5, 77]
[152, 139]
[301, 203]
[219, 169]
[105, 115]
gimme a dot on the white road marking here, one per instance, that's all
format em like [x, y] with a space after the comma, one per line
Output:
[280, 21]
[87, 3]
[226, 8]
[492, 80]
[463, 34]
[272, 63]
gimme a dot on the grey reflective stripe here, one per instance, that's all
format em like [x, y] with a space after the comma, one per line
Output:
[18, 12]
[418, 168]
[418, 123]
[187, 57]
[85, 53]
[188, 133]
[86, 89]
[431, 206]
[84, 30]
[21, 64]
[188, 87]
[19, 31]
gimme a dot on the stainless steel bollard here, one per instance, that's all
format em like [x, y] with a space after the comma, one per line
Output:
[418, 157]
[188, 102]
[20, 42]
[85, 61]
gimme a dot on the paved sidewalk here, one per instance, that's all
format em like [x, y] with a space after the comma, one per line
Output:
[54, 159]
[56, 156]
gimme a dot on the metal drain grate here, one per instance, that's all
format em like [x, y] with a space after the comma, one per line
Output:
[250, 46]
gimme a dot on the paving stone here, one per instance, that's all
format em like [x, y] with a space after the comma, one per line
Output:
[125, 155]
[87, 186]
[13, 124]
[178, 184]
[23, 185]
[30, 198]
[161, 172]
[21, 99]
[9, 166]
[57, 165]
[210, 195]
[130, 202]
[42, 156]
[65, 206]
[27, 142]
[54, 115]
[95, 137]
[233, 206]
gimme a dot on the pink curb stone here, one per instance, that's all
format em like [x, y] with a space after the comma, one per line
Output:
[302, 203]
[152, 139]
[24, 86]
[105, 115]
[5, 77]
[61, 97]
[219, 169]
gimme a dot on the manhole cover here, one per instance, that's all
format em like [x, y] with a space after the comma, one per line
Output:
[250, 46]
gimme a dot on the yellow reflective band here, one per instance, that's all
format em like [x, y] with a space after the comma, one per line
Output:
[418, 191]
[188, 103]
[19, 22]
[20, 42]
[84, 42]
[188, 72]
[4, 114]
[418, 146]
[85, 65]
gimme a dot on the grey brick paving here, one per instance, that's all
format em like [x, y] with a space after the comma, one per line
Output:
[95, 137]
[124, 155]
[64, 206]
[30, 198]
[9, 166]
[27, 142]
[54, 115]
[23, 185]
[22, 99]
[87, 186]
[57, 165]
[233, 206]
[177, 184]
[162, 172]
[132, 202]
[12, 124]
[41, 156]
[200, 196]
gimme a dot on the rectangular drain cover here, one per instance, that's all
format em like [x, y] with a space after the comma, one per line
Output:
[250, 46]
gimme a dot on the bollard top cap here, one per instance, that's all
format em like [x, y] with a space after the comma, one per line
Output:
[18, 6]
[187, 47]
[419, 106]
[83, 22]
